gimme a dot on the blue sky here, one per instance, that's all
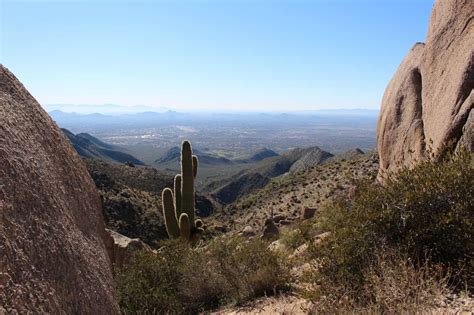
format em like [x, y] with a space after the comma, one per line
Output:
[248, 55]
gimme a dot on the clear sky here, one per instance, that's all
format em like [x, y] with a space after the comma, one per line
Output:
[262, 54]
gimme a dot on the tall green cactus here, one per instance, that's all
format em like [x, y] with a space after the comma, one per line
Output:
[179, 206]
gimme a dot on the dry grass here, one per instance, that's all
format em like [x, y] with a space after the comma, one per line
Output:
[397, 285]
[393, 284]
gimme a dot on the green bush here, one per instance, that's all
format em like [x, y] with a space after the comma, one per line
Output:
[182, 279]
[150, 283]
[424, 213]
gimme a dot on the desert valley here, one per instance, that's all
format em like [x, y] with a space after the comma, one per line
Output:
[113, 209]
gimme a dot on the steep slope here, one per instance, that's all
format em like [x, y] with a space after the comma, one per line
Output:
[89, 146]
[286, 196]
[349, 155]
[429, 101]
[262, 154]
[258, 156]
[313, 157]
[258, 176]
[53, 258]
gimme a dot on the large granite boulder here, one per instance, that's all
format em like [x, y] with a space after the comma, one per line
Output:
[52, 253]
[428, 103]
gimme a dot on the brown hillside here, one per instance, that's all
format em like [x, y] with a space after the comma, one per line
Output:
[287, 195]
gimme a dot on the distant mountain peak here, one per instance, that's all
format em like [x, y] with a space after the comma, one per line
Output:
[89, 146]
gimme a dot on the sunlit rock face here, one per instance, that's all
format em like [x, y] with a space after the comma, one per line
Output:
[52, 253]
[428, 103]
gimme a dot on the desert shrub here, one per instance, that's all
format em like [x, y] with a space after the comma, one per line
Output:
[182, 279]
[393, 284]
[249, 268]
[201, 286]
[292, 238]
[300, 233]
[149, 283]
[398, 285]
[423, 213]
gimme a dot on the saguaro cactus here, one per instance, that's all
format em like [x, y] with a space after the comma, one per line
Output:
[179, 206]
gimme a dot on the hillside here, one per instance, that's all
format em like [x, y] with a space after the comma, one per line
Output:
[91, 147]
[259, 155]
[286, 195]
[131, 199]
[231, 189]
[213, 168]
[172, 157]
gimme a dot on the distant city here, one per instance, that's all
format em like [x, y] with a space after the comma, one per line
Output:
[148, 131]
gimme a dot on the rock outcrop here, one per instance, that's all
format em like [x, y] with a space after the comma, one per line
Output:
[122, 248]
[428, 103]
[52, 253]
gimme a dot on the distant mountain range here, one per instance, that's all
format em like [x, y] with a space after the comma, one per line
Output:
[114, 109]
[91, 147]
[104, 109]
[142, 116]
[117, 110]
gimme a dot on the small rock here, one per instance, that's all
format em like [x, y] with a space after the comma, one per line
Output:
[298, 271]
[300, 250]
[277, 246]
[248, 231]
[124, 194]
[308, 213]
[285, 222]
[220, 228]
[121, 248]
[321, 237]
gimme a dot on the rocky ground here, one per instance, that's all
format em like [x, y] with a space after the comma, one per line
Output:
[283, 304]
[286, 196]
[295, 305]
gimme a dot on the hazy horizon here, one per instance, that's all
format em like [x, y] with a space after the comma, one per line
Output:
[134, 109]
[210, 55]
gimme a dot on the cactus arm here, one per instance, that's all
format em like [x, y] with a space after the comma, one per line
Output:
[177, 195]
[195, 165]
[198, 223]
[169, 214]
[187, 182]
[185, 226]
